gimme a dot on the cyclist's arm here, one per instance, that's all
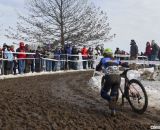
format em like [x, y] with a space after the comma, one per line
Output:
[124, 64]
[99, 66]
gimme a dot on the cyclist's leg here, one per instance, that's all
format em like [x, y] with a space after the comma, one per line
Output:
[114, 90]
[116, 80]
[104, 91]
[114, 94]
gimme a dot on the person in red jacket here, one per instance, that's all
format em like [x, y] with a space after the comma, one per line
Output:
[84, 53]
[21, 57]
[148, 50]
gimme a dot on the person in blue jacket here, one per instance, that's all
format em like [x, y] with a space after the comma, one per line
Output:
[111, 80]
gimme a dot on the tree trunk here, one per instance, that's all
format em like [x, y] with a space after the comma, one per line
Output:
[62, 24]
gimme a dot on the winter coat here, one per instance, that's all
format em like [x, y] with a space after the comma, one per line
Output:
[134, 50]
[22, 54]
[90, 53]
[8, 55]
[117, 52]
[148, 50]
[57, 54]
[68, 50]
[84, 52]
[155, 49]
[37, 57]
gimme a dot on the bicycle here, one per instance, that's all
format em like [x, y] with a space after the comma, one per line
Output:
[134, 92]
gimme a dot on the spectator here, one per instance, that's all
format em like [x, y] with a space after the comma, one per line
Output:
[80, 62]
[4, 64]
[74, 58]
[37, 61]
[90, 58]
[84, 53]
[133, 50]
[57, 54]
[21, 58]
[68, 51]
[155, 50]
[43, 60]
[102, 50]
[30, 61]
[148, 50]
[98, 51]
[48, 61]
[62, 58]
[117, 51]
[9, 61]
[14, 61]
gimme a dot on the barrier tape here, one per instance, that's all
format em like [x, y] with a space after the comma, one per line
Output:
[142, 62]
[128, 56]
[65, 60]
[19, 59]
[19, 53]
[94, 59]
[116, 56]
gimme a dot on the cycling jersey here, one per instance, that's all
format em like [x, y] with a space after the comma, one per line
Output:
[108, 66]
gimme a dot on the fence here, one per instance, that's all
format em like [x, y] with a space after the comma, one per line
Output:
[58, 62]
[143, 60]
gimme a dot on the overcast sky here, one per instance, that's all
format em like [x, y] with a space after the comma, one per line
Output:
[129, 19]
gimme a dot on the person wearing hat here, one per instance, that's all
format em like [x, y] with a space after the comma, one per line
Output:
[10, 59]
[5, 62]
[38, 64]
[90, 58]
[133, 50]
[84, 53]
[4, 47]
[14, 61]
[21, 57]
[111, 80]
[155, 50]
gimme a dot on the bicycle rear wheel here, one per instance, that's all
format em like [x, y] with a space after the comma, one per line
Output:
[137, 96]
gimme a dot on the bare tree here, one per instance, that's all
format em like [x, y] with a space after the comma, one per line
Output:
[76, 21]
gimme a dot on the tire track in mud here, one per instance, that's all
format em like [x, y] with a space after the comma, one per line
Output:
[62, 102]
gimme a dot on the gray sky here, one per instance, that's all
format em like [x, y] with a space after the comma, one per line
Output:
[129, 19]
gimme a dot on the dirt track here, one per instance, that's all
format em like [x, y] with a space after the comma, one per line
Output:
[63, 102]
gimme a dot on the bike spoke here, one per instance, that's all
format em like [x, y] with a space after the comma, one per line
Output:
[136, 96]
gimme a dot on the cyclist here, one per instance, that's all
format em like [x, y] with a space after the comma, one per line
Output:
[111, 79]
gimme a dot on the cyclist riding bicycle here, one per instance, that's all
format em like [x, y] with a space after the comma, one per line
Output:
[112, 79]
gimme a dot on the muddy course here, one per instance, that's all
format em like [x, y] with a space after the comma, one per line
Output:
[64, 101]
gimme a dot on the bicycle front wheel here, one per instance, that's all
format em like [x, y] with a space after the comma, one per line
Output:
[137, 96]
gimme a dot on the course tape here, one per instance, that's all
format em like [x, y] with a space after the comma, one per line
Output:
[94, 58]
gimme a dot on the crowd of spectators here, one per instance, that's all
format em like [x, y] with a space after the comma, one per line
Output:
[24, 59]
[152, 51]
